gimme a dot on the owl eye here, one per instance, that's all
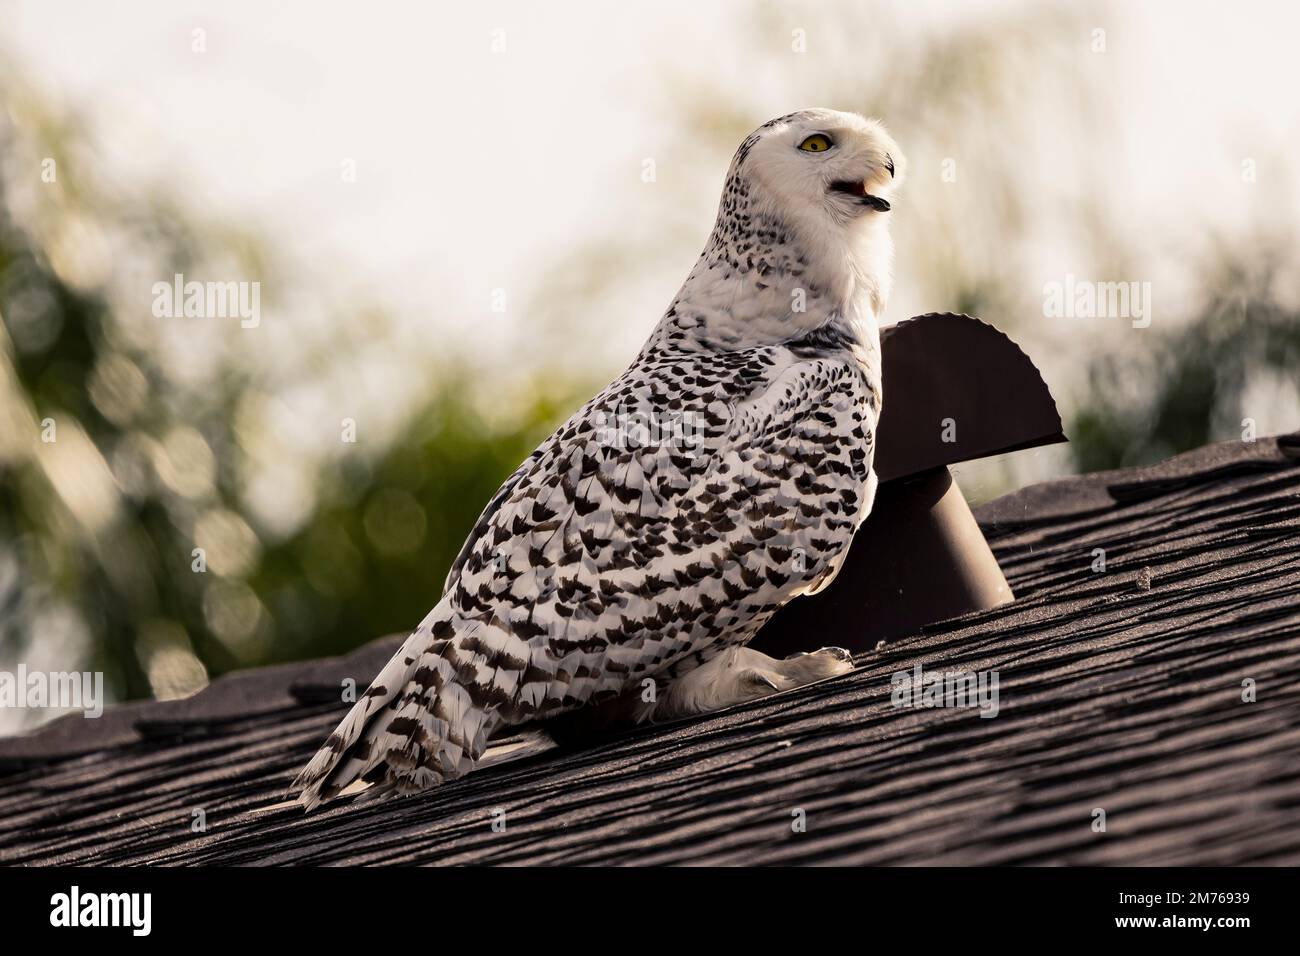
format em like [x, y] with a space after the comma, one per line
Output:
[816, 143]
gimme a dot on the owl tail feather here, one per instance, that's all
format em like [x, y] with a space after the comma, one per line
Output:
[415, 727]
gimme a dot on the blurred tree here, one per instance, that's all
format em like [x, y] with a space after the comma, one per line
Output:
[1228, 371]
[128, 441]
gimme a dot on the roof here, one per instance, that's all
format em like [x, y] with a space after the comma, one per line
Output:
[1120, 690]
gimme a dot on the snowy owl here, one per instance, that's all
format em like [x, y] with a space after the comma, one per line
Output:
[628, 565]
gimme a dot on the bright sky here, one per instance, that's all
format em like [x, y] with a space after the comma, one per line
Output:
[476, 168]
[492, 141]
[468, 162]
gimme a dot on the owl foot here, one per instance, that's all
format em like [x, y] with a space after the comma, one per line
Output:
[740, 674]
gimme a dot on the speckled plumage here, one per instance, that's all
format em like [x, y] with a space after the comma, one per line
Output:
[615, 565]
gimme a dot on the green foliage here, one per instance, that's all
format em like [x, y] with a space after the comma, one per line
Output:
[1191, 382]
[98, 528]
[373, 558]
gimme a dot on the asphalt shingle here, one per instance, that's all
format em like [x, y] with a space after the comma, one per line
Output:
[1120, 691]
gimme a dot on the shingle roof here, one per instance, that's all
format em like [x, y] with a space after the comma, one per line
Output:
[1120, 690]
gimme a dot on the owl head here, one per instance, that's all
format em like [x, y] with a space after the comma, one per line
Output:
[820, 169]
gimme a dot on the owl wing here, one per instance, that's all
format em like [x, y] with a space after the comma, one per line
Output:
[674, 512]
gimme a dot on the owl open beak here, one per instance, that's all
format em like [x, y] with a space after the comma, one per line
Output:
[858, 190]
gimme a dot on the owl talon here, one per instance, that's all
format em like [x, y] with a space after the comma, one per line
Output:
[740, 674]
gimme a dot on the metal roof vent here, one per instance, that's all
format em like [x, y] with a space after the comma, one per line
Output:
[955, 389]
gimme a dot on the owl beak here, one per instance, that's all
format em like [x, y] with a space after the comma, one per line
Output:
[857, 188]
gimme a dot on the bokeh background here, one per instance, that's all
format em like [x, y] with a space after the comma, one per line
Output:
[466, 217]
